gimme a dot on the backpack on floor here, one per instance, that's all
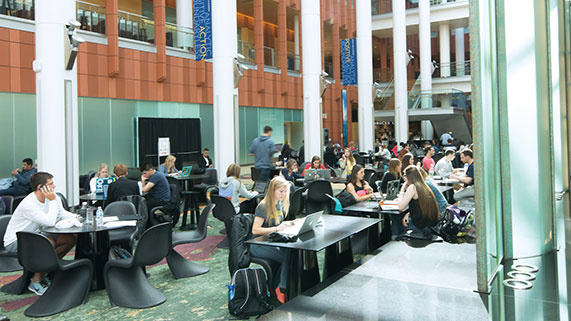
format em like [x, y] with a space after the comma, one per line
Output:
[455, 224]
[248, 295]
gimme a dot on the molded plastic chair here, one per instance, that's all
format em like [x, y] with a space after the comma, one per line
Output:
[142, 210]
[172, 209]
[372, 180]
[316, 199]
[64, 202]
[9, 202]
[211, 180]
[180, 266]
[71, 282]
[295, 204]
[8, 261]
[224, 211]
[125, 235]
[17, 200]
[368, 173]
[125, 279]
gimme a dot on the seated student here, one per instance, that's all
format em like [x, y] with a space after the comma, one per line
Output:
[407, 160]
[269, 218]
[122, 186]
[384, 152]
[102, 171]
[41, 208]
[440, 199]
[168, 167]
[21, 186]
[423, 209]
[466, 156]
[444, 166]
[394, 173]
[315, 164]
[347, 162]
[156, 186]
[204, 161]
[357, 186]
[232, 188]
[427, 161]
[289, 172]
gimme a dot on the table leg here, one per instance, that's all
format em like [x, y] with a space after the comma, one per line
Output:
[337, 257]
[309, 271]
[293, 276]
[95, 247]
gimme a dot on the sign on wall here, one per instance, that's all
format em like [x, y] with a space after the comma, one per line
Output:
[164, 146]
[349, 61]
[202, 29]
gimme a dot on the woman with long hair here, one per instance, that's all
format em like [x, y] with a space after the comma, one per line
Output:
[347, 162]
[232, 188]
[357, 186]
[168, 167]
[269, 218]
[289, 172]
[394, 173]
[423, 209]
[102, 171]
[315, 164]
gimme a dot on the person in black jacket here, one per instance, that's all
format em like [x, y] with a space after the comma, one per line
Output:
[394, 173]
[122, 186]
[204, 161]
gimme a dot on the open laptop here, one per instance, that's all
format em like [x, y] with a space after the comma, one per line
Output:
[309, 175]
[185, 172]
[392, 189]
[260, 187]
[307, 225]
[324, 173]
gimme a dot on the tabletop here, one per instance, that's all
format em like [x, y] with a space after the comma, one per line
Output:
[191, 176]
[92, 197]
[78, 230]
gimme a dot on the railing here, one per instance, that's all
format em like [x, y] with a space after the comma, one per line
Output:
[248, 50]
[382, 75]
[179, 37]
[293, 62]
[271, 57]
[385, 6]
[18, 8]
[136, 27]
[452, 69]
[91, 16]
[437, 99]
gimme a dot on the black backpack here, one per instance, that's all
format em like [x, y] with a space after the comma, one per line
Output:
[248, 295]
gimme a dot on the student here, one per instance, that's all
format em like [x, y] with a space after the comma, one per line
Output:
[407, 160]
[41, 208]
[168, 167]
[346, 162]
[384, 152]
[232, 188]
[427, 161]
[403, 151]
[269, 218]
[444, 166]
[357, 186]
[122, 186]
[289, 172]
[21, 185]
[315, 164]
[205, 161]
[423, 209]
[102, 171]
[466, 156]
[156, 186]
[263, 149]
[394, 173]
[440, 199]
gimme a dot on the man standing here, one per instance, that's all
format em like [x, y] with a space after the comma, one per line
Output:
[466, 156]
[263, 149]
[204, 161]
[21, 186]
[40, 208]
[427, 161]
[444, 166]
[122, 186]
[156, 185]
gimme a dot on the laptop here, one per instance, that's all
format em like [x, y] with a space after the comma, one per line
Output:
[185, 172]
[102, 183]
[392, 189]
[324, 173]
[260, 187]
[309, 175]
[308, 224]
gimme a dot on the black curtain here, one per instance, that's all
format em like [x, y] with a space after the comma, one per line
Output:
[183, 133]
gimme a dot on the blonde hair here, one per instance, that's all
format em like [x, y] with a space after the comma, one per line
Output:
[169, 160]
[270, 201]
[393, 164]
[233, 171]
[101, 167]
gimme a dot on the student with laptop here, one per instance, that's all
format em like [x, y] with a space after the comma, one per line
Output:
[394, 173]
[102, 171]
[269, 218]
[357, 186]
[315, 164]
[156, 186]
[168, 167]
[231, 187]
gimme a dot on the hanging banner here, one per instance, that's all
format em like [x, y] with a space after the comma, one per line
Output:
[349, 61]
[344, 102]
[202, 29]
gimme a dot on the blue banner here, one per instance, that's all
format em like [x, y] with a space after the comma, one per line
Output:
[344, 102]
[202, 29]
[349, 61]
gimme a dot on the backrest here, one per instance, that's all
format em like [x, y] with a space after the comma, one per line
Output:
[224, 208]
[86, 186]
[203, 220]
[36, 253]
[120, 208]
[4, 220]
[372, 180]
[174, 203]
[295, 204]
[317, 190]
[212, 178]
[368, 173]
[133, 173]
[379, 184]
[9, 202]
[140, 204]
[154, 245]
[63, 201]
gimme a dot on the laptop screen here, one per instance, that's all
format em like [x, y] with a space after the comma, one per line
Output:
[260, 187]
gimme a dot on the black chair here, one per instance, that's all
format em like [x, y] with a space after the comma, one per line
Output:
[9, 202]
[123, 236]
[63, 201]
[133, 174]
[8, 261]
[295, 204]
[375, 177]
[86, 186]
[17, 200]
[316, 199]
[180, 266]
[208, 182]
[142, 211]
[368, 173]
[224, 211]
[71, 282]
[125, 279]
[169, 212]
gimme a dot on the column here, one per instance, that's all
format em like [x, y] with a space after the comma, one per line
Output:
[159, 7]
[312, 123]
[259, 41]
[282, 44]
[400, 54]
[425, 64]
[365, 75]
[296, 41]
[185, 23]
[112, 33]
[444, 36]
[224, 50]
[459, 46]
[56, 98]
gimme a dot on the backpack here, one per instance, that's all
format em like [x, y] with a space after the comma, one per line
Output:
[248, 295]
[346, 199]
[455, 224]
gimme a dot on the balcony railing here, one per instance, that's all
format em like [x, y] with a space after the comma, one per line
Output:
[293, 62]
[91, 16]
[382, 75]
[271, 57]
[18, 8]
[452, 69]
[136, 27]
[179, 37]
[437, 99]
[385, 6]
[248, 50]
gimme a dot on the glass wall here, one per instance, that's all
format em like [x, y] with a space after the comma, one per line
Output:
[91, 16]
[18, 8]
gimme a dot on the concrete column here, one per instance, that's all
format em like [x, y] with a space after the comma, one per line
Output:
[185, 23]
[365, 75]
[400, 54]
[282, 44]
[296, 41]
[425, 64]
[56, 98]
[259, 41]
[224, 50]
[444, 35]
[312, 122]
[459, 46]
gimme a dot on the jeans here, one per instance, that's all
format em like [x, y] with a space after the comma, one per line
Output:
[277, 254]
[14, 191]
[263, 174]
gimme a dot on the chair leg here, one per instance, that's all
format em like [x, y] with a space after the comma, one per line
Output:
[69, 289]
[9, 264]
[19, 285]
[130, 288]
[183, 268]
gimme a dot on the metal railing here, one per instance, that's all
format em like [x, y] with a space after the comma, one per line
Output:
[382, 75]
[385, 6]
[293, 62]
[91, 16]
[248, 50]
[179, 37]
[452, 69]
[271, 57]
[445, 98]
[18, 8]
[136, 27]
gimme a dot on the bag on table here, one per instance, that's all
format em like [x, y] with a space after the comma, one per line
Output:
[248, 295]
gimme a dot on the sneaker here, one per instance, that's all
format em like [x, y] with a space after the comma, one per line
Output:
[46, 281]
[37, 287]
[281, 296]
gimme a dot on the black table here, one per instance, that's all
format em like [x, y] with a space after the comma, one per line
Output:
[190, 202]
[92, 197]
[336, 228]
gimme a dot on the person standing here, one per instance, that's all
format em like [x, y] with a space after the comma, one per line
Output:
[445, 138]
[263, 148]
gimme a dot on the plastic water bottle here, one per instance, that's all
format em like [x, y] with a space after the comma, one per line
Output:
[99, 217]
[83, 212]
[431, 171]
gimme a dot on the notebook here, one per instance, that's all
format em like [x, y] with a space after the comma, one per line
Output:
[304, 226]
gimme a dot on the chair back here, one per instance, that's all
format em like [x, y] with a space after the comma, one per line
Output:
[133, 173]
[86, 186]
[154, 245]
[317, 190]
[9, 203]
[212, 178]
[120, 208]
[224, 208]
[372, 180]
[4, 220]
[368, 173]
[295, 204]
[203, 221]
[36, 253]
[63, 201]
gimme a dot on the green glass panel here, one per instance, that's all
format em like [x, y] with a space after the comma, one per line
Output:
[25, 130]
[122, 132]
[7, 157]
[95, 125]
[251, 131]
[273, 117]
[207, 128]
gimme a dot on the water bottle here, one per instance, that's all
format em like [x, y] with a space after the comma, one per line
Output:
[88, 214]
[431, 171]
[83, 209]
[99, 217]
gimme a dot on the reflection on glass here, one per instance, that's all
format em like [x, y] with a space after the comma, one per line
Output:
[18, 8]
[452, 69]
[136, 27]
[292, 61]
[180, 37]
[91, 16]
[445, 98]
[248, 50]
[271, 57]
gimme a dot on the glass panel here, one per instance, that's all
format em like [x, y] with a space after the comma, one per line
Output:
[292, 61]
[91, 16]
[18, 8]
[180, 37]
[453, 69]
[207, 129]
[136, 27]
[271, 57]
[273, 117]
[25, 130]
[248, 50]
[7, 157]
[123, 132]
[95, 128]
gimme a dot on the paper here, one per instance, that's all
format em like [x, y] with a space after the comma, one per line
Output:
[392, 202]
[110, 219]
[390, 207]
[67, 223]
[121, 223]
